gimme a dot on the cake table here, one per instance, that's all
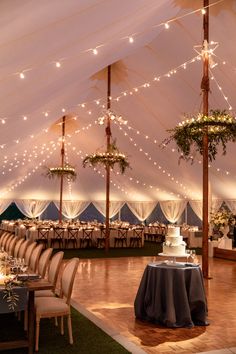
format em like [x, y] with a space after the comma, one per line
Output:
[173, 256]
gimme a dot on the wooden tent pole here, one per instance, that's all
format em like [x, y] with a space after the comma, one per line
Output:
[62, 166]
[108, 137]
[205, 90]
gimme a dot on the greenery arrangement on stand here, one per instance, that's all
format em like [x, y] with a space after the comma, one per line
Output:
[110, 158]
[56, 172]
[219, 125]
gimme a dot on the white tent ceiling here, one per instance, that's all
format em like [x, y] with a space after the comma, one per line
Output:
[35, 35]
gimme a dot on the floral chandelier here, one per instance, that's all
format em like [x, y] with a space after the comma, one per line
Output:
[219, 126]
[110, 158]
[66, 171]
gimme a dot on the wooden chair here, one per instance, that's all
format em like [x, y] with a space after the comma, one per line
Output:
[48, 307]
[73, 236]
[101, 240]
[58, 237]
[121, 238]
[86, 239]
[136, 238]
[43, 236]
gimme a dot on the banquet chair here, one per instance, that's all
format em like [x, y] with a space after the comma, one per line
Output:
[17, 247]
[136, 238]
[29, 249]
[4, 238]
[52, 276]
[72, 237]
[34, 259]
[23, 248]
[43, 236]
[86, 239]
[12, 245]
[48, 307]
[121, 239]
[44, 262]
[58, 237]
[101, 240]
[8, 241]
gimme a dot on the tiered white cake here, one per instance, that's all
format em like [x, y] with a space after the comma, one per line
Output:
[174, 244]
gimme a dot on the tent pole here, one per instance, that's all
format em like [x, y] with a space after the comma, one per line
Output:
[205, 91]
[108, 137]
[62, 165]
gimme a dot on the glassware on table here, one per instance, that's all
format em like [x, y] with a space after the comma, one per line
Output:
[193, 255]
[188, 254]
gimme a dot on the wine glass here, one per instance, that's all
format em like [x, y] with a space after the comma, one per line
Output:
[193, 255]
[188, 254]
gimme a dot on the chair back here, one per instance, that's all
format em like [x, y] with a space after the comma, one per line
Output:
[23, 247]
[3, 237]
[123, 233]
[58, 233]
[8, 241]
[17, 247]
[73, 233]
[87, 233]
[54, 268]
[68, 277]
[34, 259]
[12, 245]
[29, 251]
[43, 233]
[44, 261]
[138, 232]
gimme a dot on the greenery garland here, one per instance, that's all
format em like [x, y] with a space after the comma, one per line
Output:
[67, 171]
[109, 158]
[220, 127]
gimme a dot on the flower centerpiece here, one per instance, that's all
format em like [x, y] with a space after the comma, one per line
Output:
[222, 219]
[108, 158]
[219, 125]
[67, 171]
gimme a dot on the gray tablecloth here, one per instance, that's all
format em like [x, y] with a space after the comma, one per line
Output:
[172, 295]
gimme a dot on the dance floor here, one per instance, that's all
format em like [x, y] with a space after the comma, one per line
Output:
[105, 290]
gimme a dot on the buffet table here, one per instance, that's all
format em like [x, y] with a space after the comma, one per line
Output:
[172, 294]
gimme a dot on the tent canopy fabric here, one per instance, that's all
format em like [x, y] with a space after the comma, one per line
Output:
[54, 56]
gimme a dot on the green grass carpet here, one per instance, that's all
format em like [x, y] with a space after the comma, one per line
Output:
[88, 338]
[149, 249]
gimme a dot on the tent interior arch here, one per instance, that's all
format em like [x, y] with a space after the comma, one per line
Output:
[49, 68]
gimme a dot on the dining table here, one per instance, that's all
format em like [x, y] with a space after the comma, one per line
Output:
[172, 294]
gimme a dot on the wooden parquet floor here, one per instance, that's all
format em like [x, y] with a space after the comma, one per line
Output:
[107, 288]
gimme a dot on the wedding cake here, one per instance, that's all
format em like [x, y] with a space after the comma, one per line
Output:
[174, 244]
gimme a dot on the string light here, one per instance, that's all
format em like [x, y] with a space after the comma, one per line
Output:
[131, 39]
[166, 24]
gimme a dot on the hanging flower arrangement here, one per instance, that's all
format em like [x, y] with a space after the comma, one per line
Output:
[110, 158]
[219, 125]
[222, 217]
[67, 171]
